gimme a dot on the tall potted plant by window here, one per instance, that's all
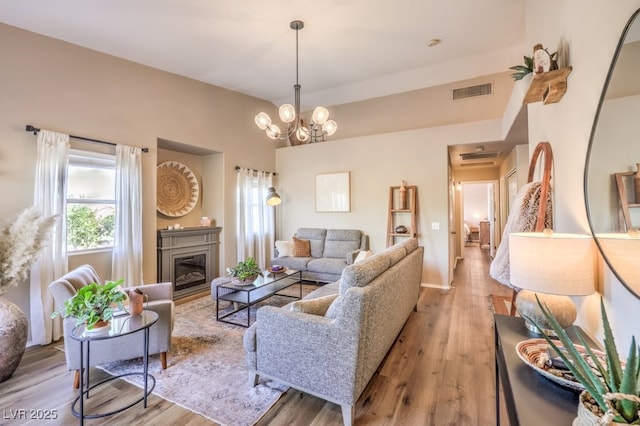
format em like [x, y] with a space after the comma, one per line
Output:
[21, 240]
[612, 391]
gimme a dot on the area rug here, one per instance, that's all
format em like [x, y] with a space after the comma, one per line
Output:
[206, 371]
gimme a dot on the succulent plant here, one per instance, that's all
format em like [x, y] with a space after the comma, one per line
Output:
[614, 378]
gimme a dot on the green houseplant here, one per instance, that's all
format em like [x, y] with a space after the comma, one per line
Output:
[94, 303]
[247, 270]
[615, 388]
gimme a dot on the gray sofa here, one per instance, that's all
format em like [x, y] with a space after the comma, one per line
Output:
[331, 251]
[334, 354]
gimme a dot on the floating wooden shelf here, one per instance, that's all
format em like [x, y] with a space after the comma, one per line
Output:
[548, 87]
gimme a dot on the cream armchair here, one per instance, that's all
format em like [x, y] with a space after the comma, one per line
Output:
[160, 300]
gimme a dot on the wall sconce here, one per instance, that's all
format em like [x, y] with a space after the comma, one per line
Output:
[273, 198]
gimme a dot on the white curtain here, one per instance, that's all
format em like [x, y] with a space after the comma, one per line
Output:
[50, 194]
[127, 244]
[255, 219]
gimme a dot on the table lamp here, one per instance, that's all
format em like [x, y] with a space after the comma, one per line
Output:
[551, 266]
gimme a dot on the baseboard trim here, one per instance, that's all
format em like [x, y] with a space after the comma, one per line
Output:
[440, 286]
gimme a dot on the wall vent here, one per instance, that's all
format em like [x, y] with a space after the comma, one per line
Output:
[480, 155]
[480, 164]
[472, 91]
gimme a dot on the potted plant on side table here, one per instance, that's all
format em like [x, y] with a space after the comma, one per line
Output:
[93, 304]
[245, 272]
[612, 391]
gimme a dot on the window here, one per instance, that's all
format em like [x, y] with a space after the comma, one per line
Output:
[91, 201]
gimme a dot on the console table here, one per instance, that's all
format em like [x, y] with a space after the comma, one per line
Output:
[531, 399]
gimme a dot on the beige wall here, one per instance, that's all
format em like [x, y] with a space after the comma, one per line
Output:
[58, 86]
[418, 109]
[588, 27]
[375, 163]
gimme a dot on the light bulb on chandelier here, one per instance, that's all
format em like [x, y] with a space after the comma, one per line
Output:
[320, 125]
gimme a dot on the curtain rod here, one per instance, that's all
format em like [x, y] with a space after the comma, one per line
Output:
[35, 130]
[254, 170]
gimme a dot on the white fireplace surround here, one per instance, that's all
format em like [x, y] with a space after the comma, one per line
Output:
[181, 243]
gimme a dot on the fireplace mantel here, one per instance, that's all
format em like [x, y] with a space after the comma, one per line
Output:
[176, 245]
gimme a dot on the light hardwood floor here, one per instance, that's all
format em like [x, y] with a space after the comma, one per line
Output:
[440, 371]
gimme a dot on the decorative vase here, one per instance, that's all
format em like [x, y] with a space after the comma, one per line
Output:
[402, 197]
[636, 184]
[246, 281]
[401, 229]
[13, 337]
[136, 300]
[586, 415]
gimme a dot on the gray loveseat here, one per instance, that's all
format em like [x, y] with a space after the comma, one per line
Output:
[334, 354]
[331, 251]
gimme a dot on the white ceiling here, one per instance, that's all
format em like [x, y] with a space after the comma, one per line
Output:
[349, 50]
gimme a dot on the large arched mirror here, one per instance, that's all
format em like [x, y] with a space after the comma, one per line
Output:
[612, 191]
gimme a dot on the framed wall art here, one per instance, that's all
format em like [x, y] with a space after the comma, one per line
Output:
[333, 192]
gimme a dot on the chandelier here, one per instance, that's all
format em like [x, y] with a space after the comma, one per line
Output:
[316, 130]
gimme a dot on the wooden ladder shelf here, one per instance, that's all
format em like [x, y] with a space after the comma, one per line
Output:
[402, 215]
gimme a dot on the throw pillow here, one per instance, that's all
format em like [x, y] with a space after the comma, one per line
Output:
[362, 255]
[317, 306]
[301, 248]
[285, 248]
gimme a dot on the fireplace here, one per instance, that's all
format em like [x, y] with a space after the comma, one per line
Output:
[190, 271]
[188, 258]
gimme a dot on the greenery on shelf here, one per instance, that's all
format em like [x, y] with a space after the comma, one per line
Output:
[522, 70]
[614, 378]
[244, 270]
[93, 303]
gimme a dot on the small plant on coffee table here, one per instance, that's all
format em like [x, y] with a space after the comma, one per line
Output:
[246, 271]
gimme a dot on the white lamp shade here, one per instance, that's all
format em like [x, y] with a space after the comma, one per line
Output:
[263, 120]
[622, 251]
[287, 113]
[302, 134]
[320, 115]
[273, 131]
[273, 198]
[330, 127]
[561, 264]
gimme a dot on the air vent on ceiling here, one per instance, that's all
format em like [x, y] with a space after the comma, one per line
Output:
[480, 164]
[479, 155]
[472, 91]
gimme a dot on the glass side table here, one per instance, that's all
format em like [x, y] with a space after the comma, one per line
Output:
[120, 326]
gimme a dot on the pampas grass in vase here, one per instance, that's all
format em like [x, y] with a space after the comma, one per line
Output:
[21, 240]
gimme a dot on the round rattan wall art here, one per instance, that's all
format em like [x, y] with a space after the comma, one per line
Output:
[178, 189]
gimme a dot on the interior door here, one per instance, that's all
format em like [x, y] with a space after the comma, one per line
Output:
[452, 230]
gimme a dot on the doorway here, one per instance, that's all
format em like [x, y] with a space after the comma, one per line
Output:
[477, 215]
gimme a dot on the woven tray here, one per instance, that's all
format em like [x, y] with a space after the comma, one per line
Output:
[178, 189]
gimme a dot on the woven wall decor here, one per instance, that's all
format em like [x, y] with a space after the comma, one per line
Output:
[178, 189]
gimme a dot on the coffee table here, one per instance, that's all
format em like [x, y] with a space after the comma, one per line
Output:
[245, 296]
